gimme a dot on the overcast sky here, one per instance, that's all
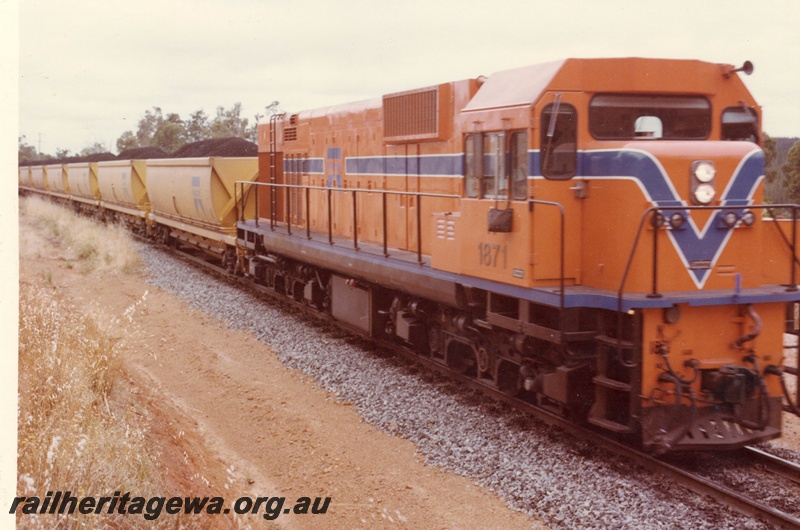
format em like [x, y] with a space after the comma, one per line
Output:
[89, 70]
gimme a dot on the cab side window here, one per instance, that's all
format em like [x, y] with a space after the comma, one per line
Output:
[473, 165]
[740, 123]
[495, 184]
[518, 165]
[492, 162]
[559, 141]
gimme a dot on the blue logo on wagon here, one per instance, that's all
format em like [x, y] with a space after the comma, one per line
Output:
[197, 194]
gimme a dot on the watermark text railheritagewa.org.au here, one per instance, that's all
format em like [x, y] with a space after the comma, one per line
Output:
[151, 508]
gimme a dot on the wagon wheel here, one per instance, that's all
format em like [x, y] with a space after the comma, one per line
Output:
[229, 260]
[482, 360]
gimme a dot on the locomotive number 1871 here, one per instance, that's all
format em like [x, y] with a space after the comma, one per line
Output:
[492, 254]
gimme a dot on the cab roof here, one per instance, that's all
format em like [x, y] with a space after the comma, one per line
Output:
[525, 86]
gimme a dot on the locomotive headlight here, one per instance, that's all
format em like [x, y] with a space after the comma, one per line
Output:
[748, 218]
[702, 177]
[704, 170]
[704, 193]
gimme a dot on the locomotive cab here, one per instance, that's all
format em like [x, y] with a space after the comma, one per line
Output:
[644, 198]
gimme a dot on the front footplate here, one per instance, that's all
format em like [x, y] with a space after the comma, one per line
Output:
[679, 428]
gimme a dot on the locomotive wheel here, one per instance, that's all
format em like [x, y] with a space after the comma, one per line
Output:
[509, 380]
[434, 340]
[461, 358]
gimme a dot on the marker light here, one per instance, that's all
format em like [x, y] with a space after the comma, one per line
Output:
[676, 220]
[730, 218]
[657, 220]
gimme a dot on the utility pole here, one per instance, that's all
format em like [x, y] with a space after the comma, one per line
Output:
[40, 143]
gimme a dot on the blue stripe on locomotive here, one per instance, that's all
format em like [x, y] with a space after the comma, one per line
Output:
[692, 243]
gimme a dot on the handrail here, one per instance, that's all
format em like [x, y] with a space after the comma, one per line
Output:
[360, 190]
[562, 250]
[631, 255]
[647, 214]
[329, 195]
[273, 166]
[793, 242]
[650, 214]
[240, 202]
[418, 195]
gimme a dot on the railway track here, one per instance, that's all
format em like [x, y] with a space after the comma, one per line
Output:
[777, 465]
[738, 501]
[692, 481]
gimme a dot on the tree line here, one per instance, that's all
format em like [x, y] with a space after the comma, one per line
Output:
[782, 170]
[169, 132]
[166, 131]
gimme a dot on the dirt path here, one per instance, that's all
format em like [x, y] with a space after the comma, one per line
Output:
[229, 417]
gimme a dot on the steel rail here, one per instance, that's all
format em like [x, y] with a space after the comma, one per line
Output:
[780, 466]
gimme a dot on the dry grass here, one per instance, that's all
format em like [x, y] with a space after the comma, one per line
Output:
[93, 246]
[75, 431]
[70, 436]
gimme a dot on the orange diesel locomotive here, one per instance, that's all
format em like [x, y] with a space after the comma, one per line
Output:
[588, 234]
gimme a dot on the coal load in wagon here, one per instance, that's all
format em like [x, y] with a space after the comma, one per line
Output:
[218, 147]
[98, 157]
[143, 153]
